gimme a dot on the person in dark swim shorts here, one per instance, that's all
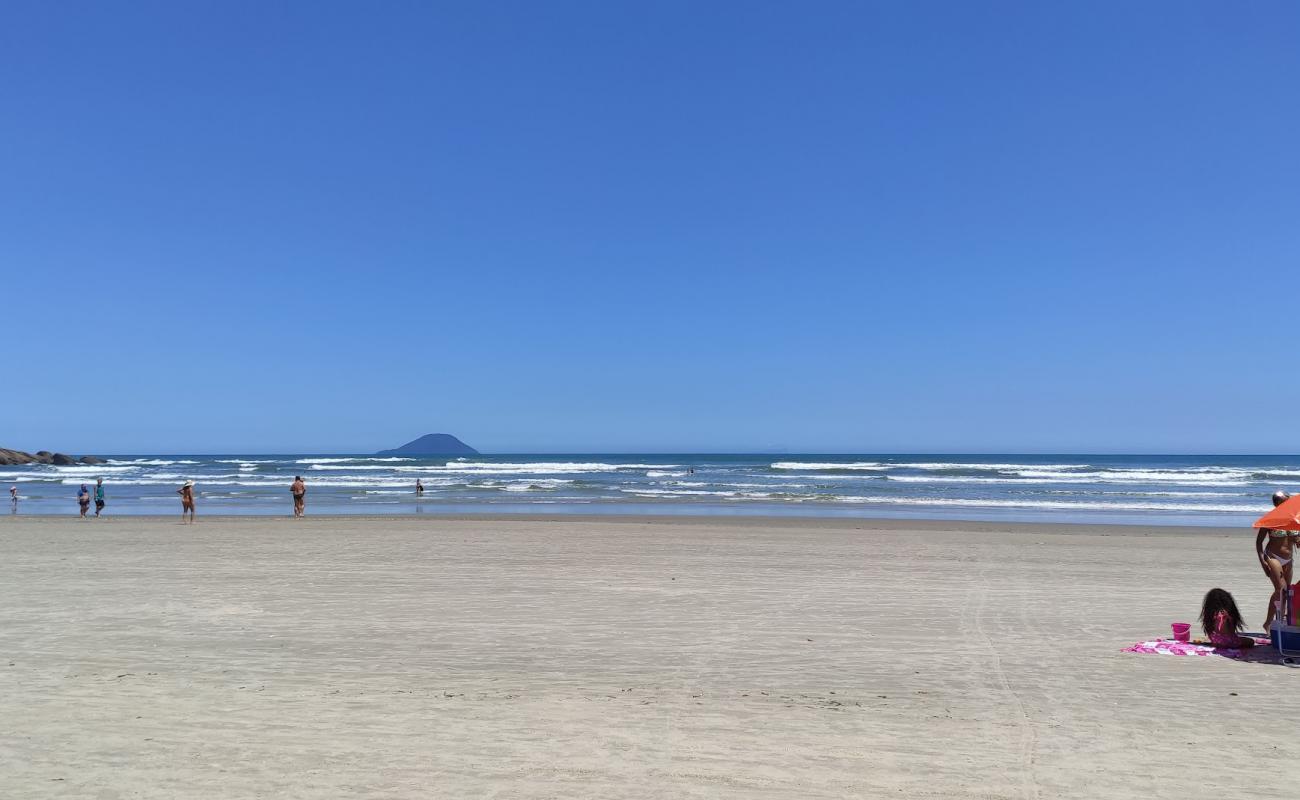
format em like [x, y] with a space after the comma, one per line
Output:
[99, 496]
[299, 491]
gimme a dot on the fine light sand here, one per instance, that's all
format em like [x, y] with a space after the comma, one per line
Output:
[620, 658]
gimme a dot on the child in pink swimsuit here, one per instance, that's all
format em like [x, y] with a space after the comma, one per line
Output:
[1222, 621]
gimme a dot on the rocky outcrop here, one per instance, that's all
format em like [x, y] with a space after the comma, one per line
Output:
[432, 444]
[12, 457]
[8, 457]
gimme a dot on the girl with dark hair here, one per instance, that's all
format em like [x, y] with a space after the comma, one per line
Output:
[1222, 621]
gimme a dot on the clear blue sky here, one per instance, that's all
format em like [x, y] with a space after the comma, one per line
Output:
[946, 226]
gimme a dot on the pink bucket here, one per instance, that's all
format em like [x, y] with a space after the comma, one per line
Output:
[1182, 631]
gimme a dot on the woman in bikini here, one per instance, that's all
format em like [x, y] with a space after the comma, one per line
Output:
[187, 500]
[1275, 552]
[83, 499]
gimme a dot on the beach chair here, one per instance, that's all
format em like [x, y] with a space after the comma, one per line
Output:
[1285, 633]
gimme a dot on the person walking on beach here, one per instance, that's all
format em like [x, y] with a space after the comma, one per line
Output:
[419, 488]
[83, 499]
[99, 496]
[187, 500]
[299, 490]
[13, 496]
[1275, 551]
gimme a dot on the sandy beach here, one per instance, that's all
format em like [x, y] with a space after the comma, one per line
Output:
[626, 658]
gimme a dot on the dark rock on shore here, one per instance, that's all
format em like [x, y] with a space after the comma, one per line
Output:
[14, 457]
[432, 444]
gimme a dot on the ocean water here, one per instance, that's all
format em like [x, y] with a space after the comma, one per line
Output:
[1199, 490]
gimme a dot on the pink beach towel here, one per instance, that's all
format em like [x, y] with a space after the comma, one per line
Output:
[1169, 647]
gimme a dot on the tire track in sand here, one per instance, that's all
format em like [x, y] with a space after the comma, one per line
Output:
[1028, 744]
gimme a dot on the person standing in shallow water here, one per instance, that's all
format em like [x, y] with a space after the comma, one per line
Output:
[419, 488]
[299, 490]
[99, 496]
[187, 500]
[83, 499]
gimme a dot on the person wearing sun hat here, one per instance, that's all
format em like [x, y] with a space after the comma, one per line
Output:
[187, 500]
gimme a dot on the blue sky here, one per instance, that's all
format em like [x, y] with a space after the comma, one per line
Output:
[656, 226]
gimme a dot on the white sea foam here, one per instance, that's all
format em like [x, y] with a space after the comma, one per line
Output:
[352, 458]
[970, 479]
[538, 485]
[275, 483]
[183, 476]
[733, 485]
[922, 465]
[365, 480]
[129, 482]
[91, 469]
[1063, 505]
[815, 465]
[1045, 477]
[1140, 493]
[1012, 480]
[658, 473]
[529, 468]
[822, 477]
[935, 502]
[1206, 477]
[543, 468]
[935, 466]
[675, 492]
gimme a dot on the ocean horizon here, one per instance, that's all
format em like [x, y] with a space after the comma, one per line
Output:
[1122, 489]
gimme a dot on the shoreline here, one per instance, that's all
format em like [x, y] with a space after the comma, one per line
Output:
[1125, 490]
[702, 520]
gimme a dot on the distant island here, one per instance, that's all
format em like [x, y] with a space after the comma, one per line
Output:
[12, 457]
[432, 444]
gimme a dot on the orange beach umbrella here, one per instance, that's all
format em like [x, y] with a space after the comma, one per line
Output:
[1285, 517]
